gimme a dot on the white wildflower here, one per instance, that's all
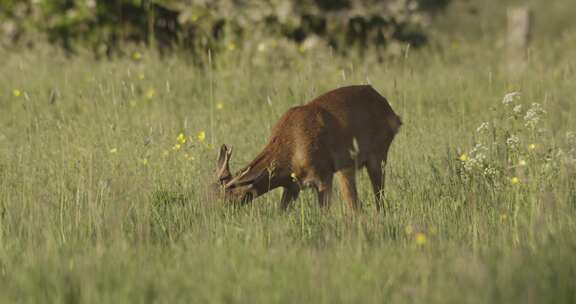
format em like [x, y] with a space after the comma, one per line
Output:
[517, 109]
[513, 141]
[479, 152]
[533, 115]
[471, 164]
[483, 127]
[489, 172]
[477, 158]
[510, 97]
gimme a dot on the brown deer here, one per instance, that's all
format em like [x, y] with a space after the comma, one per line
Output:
[335, 134]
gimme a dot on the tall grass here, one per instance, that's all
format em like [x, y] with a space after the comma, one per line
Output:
[101, 203]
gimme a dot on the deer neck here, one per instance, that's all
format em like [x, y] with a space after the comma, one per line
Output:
[266, 170]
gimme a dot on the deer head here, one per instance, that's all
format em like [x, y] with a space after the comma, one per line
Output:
[238, 188]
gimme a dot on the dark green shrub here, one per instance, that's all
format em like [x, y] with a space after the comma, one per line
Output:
[196, 25]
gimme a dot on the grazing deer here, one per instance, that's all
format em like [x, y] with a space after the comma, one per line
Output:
[333, 135]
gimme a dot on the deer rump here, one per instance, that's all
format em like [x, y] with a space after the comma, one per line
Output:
[331, 136]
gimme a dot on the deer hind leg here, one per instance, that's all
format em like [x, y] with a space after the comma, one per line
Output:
[288, 196]
[377, 176]
[347, 183]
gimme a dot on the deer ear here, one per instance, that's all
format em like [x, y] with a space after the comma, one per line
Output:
[223, 168]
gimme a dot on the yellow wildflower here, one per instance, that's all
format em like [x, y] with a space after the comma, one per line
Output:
[201, 136]
[522, 163]
[150, 93]
[420, 239]
[181, 138]
[16, 93]
[136, 56]
[219, 105]
[532, 147]
[514, 180]
[144, 161]
[463, 157]
[113, 150]
[176, 147]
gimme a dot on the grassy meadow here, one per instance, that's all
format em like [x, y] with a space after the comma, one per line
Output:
[102, 200]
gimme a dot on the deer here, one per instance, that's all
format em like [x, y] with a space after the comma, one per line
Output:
[333, 135]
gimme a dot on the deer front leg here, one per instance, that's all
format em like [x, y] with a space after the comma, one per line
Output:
[324, 192]
[288, 196]
[347, 183]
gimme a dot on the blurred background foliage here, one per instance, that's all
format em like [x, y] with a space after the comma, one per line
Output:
[107, 27]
